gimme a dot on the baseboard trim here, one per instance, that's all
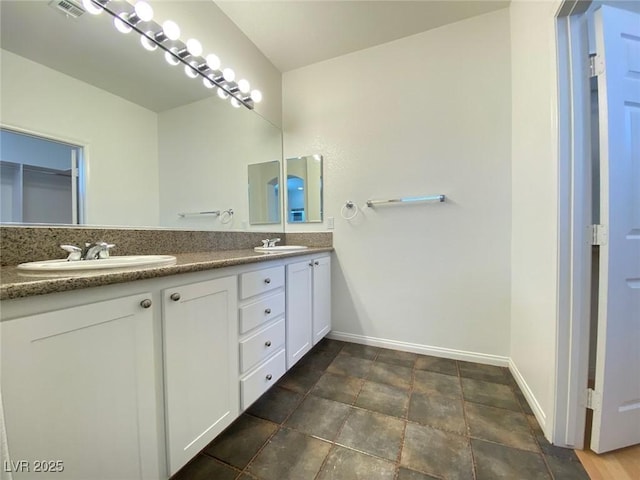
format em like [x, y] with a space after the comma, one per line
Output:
[528, 395]
[422, 349]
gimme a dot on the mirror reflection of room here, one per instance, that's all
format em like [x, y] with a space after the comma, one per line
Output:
[304, 189]
[264, 193]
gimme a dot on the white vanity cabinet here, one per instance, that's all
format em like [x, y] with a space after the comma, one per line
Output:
[79, 392]
[262, 331]
[308, 311]
[200, 365]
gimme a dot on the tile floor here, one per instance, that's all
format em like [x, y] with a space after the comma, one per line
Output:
[350, 412]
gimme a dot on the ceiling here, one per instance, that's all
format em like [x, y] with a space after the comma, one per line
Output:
[295, 33]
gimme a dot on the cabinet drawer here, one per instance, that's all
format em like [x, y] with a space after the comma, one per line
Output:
[262, 379]
[262, 311]
[260, 345]
[261, 281]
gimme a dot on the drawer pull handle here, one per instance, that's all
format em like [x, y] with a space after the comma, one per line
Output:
[175, 296]
[269, 376]
[267, 280]
[268, 343]
[316, 263]
[267, 311]
[146, 303]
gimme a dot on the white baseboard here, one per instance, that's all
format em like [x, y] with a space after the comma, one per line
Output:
[421, 349]
[528, 395]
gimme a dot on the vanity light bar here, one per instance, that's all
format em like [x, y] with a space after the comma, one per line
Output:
[176, 52]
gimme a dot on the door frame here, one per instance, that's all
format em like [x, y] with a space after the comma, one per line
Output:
[574, 225]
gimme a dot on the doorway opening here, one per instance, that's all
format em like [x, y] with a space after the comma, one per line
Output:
[41, 179]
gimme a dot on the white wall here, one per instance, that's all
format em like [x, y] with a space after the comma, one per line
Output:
[120, 137]
[534, 176]
[430, 113]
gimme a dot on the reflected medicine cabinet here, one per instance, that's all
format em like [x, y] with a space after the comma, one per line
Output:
[304, 189]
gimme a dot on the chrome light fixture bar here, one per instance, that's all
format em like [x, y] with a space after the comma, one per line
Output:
[166, 37]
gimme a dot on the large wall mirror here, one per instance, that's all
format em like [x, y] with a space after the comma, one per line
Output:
[153, 147]
[304, 189]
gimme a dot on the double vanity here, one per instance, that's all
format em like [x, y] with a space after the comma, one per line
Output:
[133, 377]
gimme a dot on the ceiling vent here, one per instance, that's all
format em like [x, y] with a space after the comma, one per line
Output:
[68, 7]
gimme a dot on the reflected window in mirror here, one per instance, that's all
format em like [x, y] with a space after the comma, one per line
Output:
[264, 193]
[39, 179]
[304, 189]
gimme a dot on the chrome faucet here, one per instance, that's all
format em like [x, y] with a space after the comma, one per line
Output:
[91, 251]
[270, 242]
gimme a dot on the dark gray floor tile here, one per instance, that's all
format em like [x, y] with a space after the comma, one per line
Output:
[338, 387]
[437, 453]
[523, 402]
[397, 357]
[437, 364]
[406, 474]
[275, 405]
[300, 379]
[563, 469]
[343, 463]
[240, 442]
[395, 375]
[384, 398]
[437, 411]
[546, 447]
[290, 454]
[319, 417]
[372, 433]
[316, 360]
[433, 383]
[488, 373]
[501, 426]
[345, 364]
[328, 346]
[494, 462]
[362, 351]
[488, 393]
[204, 467]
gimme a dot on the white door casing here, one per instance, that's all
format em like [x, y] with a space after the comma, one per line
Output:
[616, 421]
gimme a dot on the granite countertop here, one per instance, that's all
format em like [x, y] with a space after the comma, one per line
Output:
[16, 284]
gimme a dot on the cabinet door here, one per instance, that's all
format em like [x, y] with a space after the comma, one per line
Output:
[78, 387]
[299, 310]
[321, 298]
[201, 365]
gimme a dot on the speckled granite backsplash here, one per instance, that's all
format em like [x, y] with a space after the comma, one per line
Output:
[27, 244]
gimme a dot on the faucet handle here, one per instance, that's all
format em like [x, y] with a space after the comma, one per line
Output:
[265, 243]
[75, 253]
[273, 241]
[104, 251]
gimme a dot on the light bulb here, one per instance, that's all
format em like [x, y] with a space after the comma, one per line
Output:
[208, 83]
[189, 70]
[256, 96]
[222, 94]
[213, 62]
[171, 60]
[194, 47]
[120, 23]
[143, 11]
[91, 7]
[171, 30]
[243, 86]
[148, 44]
[228, 74]
[235, 102]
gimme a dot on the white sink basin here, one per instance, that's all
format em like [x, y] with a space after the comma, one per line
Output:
[101, 264]
[280, 248]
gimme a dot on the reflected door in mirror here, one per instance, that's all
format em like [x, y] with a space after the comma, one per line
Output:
[264, 193]
[304, 189]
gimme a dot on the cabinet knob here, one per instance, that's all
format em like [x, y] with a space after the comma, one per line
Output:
[175, 296]
[269, 376]
[311, 264]
[146, 303]
[267, 280]
[267, 311]
[316, 262]
[268, 343]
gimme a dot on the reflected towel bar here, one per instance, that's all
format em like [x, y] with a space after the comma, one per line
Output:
[422, 198]
[188, 214]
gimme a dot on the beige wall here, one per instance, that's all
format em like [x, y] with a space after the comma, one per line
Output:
[430, 113]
